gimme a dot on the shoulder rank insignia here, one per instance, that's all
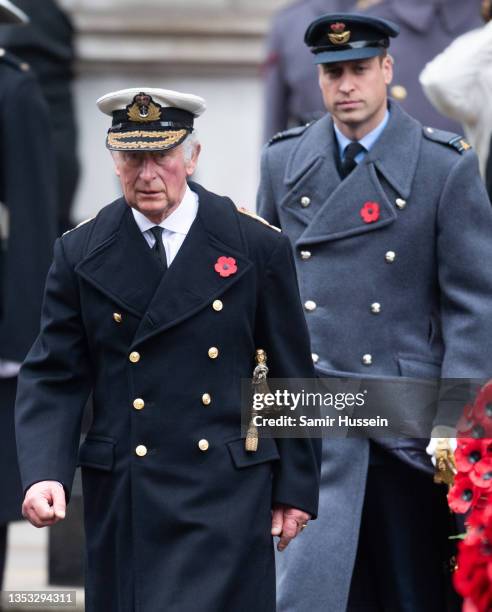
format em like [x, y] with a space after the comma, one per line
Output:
[253, 215]
[456, 142]
[295, 131]
[77, 226]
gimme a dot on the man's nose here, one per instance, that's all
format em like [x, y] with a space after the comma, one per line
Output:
[346, 84]
[147, 168]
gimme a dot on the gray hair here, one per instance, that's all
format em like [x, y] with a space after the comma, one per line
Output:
[189, 144]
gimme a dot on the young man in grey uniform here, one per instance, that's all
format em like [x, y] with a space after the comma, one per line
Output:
[390, 226]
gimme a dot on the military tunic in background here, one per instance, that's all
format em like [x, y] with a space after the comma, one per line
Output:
[46, 43]
[292, 95]
[407, 294]
[27, 212]
[177, 512]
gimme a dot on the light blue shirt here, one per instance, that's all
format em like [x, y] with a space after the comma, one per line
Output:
[367, 142]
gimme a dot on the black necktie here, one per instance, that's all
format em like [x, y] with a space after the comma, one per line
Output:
[349, 155]
[158, 247]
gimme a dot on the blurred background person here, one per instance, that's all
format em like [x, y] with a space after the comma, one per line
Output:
[458, 82]
[46, 44]
[27, 216]
[291, 89]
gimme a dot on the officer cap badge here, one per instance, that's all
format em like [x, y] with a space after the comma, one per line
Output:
[339, 35]
[143, 109]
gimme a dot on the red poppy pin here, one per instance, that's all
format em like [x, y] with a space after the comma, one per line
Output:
[370, 212]
[225, 266]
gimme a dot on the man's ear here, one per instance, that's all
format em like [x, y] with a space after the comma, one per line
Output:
[388, 68]
[114, 155]
[191, 164]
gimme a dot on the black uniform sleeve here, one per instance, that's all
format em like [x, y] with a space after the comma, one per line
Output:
[282, 332]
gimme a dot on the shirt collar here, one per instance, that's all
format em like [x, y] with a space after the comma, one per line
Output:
[179, 221]
[369, 139]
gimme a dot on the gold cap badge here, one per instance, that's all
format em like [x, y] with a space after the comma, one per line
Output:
[143, 109]
[339, 35]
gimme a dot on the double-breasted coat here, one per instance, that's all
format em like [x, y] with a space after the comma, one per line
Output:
[27, 233]
[177, 512]
[422, 262]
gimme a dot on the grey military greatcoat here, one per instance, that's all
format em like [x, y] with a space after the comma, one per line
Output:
[422, 261]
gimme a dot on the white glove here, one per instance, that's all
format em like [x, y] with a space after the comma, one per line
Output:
[438, 433]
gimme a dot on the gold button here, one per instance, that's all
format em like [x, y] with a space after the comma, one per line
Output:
[206, 399]
[134, 357]
[213, 352]
[390, 256]
[399, 92]
[315, 357]
[117, 317]
[203, 445]
[367, 359]
[401, 203]
[305, 255]
[2, 52]
[429, 130]
[141, 450]
[138, 404]
[217, 305]
[376, 308]
[305, 201]
[310, 305]
[24, 66]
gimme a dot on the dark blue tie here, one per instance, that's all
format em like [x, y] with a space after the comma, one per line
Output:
[158, 247]
[349, 155]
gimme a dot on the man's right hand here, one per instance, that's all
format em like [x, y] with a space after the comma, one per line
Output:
[44, 503]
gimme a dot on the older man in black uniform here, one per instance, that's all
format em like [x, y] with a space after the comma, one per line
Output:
[158, 305]
[27, 222]
[390, 226]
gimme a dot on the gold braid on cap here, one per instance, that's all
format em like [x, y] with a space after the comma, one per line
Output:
[168, 138]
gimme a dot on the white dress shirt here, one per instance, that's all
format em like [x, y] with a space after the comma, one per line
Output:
[176, 226]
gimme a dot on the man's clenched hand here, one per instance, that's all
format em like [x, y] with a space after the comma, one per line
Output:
[44, 503]
[287, 523]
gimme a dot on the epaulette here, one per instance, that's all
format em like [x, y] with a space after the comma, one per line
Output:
[77, 226]
[455, 141]
[295, 131]
[12, 60]
[253, 215]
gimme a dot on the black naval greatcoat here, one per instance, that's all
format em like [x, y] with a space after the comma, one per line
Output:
[27, 233]
[177, 513]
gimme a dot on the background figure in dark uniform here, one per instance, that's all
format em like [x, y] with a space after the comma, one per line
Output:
[292, 95]
[390, 225]
[27, 221]
[46, 44]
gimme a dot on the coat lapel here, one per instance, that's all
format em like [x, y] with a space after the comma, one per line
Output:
[191, 282]
[311, 171]
[119, 262]
[337, 213]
